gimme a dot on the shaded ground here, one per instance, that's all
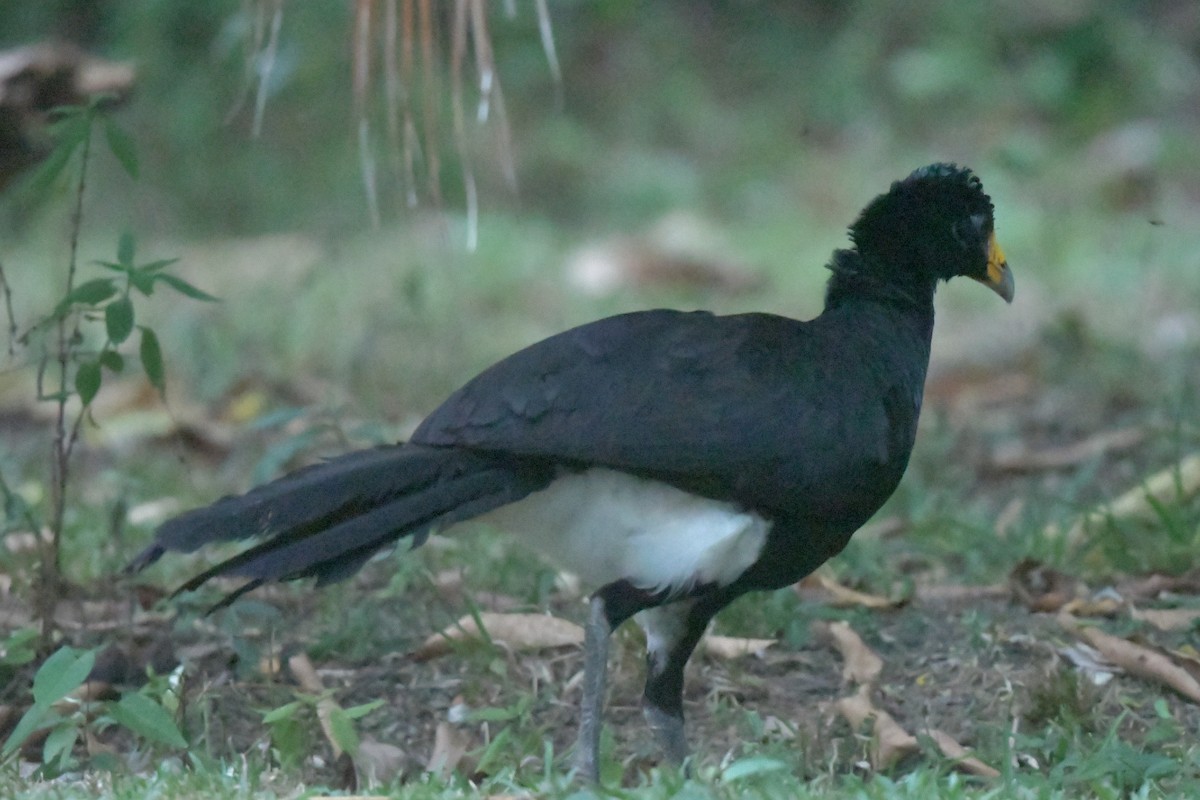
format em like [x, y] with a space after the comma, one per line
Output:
[975, 665]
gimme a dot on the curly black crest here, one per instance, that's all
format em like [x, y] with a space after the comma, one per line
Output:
[933, 225]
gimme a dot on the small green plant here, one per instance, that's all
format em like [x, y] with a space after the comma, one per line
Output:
[291, 724]
[81, 338]
[64, 717]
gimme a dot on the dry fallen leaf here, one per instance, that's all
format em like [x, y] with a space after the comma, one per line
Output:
[1021, 459]
[890, 742]
[1040, 588]
[730, 647]
[960, 755]
[1098, 605]
[310, 682]
[1152, 586]
[514, 631]
[1175, 484]
[378, 762]
[1167, 619]
[449, 747]
[95, 746]
[450, 584]
[1090, 662]
[843, 596]
[861, 665]
[969, 391]
[1139, 660]
[954, 592]
[1189, 658]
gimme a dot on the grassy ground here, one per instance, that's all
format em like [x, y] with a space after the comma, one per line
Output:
[330, 337]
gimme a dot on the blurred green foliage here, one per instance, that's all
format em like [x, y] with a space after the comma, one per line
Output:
[708, 104]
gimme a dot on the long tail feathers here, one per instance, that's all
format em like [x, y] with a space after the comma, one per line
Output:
[326, 520]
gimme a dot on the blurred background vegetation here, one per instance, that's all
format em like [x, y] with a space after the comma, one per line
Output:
[732, 108]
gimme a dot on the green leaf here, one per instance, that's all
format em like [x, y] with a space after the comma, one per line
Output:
[286, 711]
[122, 146]
[59, 744]
[152, 360]
[276, 418]
[118, 319]
[71, 126]
[126, 246]
[20, 647]
[1161, 709]
[88, 293]
[35, 718]
[142, 281]
[155, 266]
[495, 714]
[68, 134]
[115, 267]
[49, 170]
[292, 740]
[60, 674]
[354, 712]
[754, 765]
[87, 381]
[341, 731]
[185, 288]
[493, 752]
[112, 361]
[147, 719]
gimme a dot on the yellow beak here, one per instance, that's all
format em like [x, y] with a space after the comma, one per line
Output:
[998, 279]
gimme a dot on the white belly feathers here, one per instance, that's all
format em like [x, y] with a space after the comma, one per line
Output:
[665, 537]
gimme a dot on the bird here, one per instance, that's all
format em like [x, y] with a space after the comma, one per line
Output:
[674, 460]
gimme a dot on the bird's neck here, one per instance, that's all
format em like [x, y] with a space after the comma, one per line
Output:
[854, 281]
[892, 321]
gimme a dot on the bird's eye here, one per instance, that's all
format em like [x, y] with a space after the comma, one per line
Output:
[969, 230]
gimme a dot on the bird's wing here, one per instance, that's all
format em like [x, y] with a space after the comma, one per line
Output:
[743, 407]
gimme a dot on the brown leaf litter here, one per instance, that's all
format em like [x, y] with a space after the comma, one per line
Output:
[890, 742]
[1136, 659]
[515, 632]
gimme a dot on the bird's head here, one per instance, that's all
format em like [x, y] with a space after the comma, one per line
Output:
[934, 225]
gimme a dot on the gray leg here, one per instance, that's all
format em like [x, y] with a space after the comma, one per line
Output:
[595, 670]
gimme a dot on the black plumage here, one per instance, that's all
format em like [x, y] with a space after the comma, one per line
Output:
[678, 459]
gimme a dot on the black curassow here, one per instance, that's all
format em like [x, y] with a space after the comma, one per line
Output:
[673, 460]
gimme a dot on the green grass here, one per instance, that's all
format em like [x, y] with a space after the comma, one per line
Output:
[1110, 772]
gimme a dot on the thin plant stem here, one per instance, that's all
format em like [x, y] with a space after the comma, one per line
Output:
[68, 335]
[6, 289]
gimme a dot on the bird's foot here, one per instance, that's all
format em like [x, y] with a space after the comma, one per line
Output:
[668, 731]
[587, 769]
